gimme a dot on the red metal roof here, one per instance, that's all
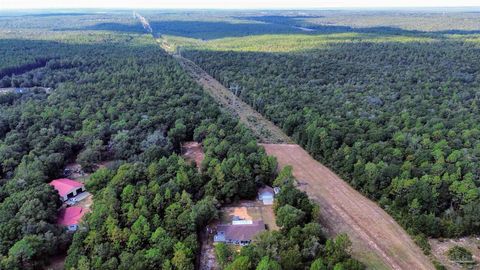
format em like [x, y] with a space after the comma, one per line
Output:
[65, 186]
[70, 215]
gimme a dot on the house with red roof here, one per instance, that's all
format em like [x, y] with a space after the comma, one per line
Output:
[70, 217]
[67, 188]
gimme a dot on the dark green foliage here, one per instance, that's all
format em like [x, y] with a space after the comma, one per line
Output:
[102, 107]
[223, 254]
[289, 216]
[152, 213]
[268, 264]
[398, 120]
[27, 227]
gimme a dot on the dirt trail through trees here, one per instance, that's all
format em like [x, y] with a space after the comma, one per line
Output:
[377, 239]
[263, 129]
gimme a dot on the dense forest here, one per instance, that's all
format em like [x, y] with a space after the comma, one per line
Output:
[137, 107]
[118, 97]
[398, 120]
[147, 217]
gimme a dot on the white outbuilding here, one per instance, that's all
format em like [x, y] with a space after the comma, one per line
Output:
[266, 195]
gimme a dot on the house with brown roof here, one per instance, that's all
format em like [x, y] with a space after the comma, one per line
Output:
[239, 232]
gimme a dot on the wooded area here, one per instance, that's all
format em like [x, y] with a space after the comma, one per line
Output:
[397, 119]
[118, 97]
[391, 109]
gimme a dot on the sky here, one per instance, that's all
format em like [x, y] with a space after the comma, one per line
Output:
[230, 4]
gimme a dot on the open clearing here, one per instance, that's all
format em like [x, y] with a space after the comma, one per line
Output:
[377, 239]
[193, 152]
[251, 210]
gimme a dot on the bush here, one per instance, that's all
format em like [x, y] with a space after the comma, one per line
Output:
[460, 255]
[422, 241]
[222, 254]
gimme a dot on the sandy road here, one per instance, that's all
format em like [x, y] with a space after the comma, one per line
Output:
[262, 128]
[377, 239]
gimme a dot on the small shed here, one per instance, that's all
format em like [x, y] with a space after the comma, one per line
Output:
[67, 188]
[70, 217]
[266, 194]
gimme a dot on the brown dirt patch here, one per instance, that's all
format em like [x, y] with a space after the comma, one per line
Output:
[193, 152]
[77, 172]
[207, 260]
[441, 246]
[86, 203]
[240, 212]
[377, 239]
[250, 210]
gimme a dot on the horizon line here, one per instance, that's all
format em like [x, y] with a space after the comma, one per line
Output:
[236, 8]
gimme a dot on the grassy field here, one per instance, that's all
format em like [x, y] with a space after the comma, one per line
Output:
[290, 43]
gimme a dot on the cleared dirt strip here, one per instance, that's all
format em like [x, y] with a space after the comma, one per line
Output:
[263, 129]
[377, 239]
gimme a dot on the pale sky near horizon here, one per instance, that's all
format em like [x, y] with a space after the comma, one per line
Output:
[230, 4]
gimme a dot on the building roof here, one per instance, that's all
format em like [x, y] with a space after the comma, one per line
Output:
[266, 189]
[65, 186]
[70, 215]
[241, 232]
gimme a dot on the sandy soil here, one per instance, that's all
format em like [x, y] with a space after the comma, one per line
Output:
[250, 210]
[193, 152]
[441, 246]
[86, 203]
[377, 239]
[207, 260]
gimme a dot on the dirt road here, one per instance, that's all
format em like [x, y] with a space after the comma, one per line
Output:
[262, 128]
[377, 239]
